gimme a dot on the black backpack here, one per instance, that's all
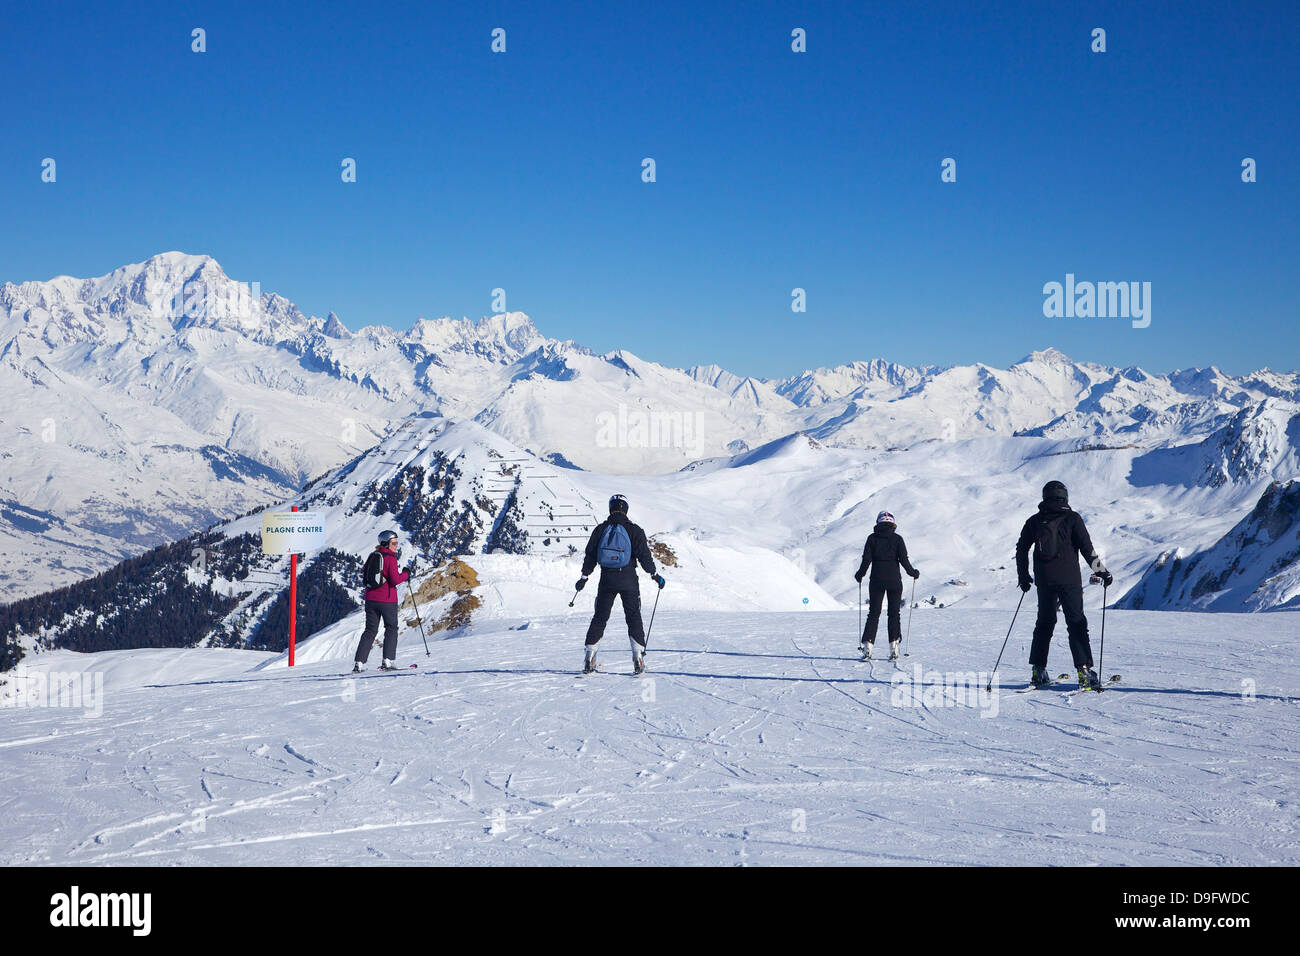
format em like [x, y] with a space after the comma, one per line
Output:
[372, 574]
[1053, 537]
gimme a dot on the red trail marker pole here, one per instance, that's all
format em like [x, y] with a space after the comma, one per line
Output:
[293, 598]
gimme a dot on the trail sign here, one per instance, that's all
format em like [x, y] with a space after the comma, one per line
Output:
[291, 533]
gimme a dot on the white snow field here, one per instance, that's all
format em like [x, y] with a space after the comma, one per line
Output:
[753, 739]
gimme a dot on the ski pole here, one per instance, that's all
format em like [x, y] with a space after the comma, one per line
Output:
[1102, 655]
[1007, 638]
[910, 605]
[652, 620]
[416, 608]
[574, 598]
[859, 612]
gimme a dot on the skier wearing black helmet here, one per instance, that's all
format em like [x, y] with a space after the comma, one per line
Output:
[618, 546]
[883, 553]
[1058, 536]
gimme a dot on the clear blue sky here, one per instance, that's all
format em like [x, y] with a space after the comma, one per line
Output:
[775, 170]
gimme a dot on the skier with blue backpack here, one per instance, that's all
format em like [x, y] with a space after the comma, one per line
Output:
[618, 546]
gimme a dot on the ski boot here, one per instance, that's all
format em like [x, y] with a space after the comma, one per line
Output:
[1039, 677]
[589, 662]
[388, 665]
[866, 651]
[893, 650]
[1088, 679]
[358, 667]
[638, 658]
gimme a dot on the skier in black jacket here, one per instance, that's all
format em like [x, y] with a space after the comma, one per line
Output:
[883, 553]
[1058, 536]
[617, 545]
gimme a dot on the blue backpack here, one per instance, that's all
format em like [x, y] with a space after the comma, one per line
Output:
[615, 549]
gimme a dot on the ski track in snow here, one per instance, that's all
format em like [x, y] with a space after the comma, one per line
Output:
[752, 739]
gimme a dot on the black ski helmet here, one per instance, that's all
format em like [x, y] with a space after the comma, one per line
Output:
[385, 537]
[1055, 489]
[617, 503]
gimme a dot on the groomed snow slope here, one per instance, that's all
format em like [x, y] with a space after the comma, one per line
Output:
[754, 738]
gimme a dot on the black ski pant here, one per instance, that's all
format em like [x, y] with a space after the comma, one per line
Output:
[377, 611]
[611, 586]
[876, 591]
[1069, 594]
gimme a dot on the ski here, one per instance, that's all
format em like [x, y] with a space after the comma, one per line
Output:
[1109, 681]
[1030, 688]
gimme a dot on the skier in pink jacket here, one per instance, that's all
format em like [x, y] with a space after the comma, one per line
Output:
[382, 578]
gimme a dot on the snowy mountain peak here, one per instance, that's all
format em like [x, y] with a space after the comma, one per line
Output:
[504, 337]
[335, 328]
[144, 302]
[816, 386]
[1048, 356]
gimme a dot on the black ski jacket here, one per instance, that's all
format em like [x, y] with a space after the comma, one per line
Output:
[1056, 520]
[883, 553]
[640, 548]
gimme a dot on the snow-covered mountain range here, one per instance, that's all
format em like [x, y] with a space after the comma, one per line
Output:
[779, 527]
[166, 396]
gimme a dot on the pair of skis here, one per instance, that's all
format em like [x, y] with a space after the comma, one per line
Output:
[1109, 681]
[381, 672]
[638, 668]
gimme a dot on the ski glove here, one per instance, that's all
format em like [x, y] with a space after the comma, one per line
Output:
[582, 583]
[409, 569]
[1026, 583]
[914, 573]
[1106, 578]
[659, 580]
[858, 577]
